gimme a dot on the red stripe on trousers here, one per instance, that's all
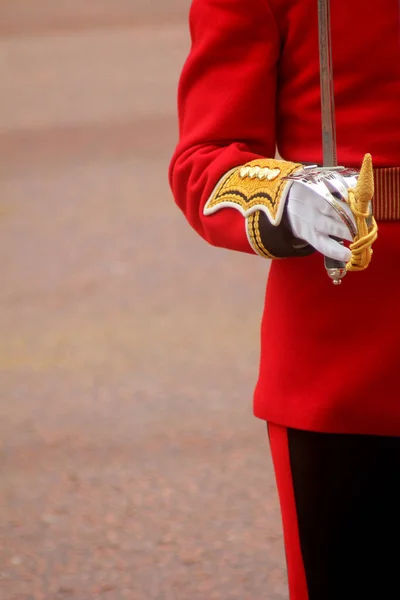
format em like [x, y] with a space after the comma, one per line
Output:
[278, 439]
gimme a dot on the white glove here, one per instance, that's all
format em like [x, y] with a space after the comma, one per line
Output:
[317, 210]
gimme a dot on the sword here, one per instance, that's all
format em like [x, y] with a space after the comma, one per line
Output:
[335, 268]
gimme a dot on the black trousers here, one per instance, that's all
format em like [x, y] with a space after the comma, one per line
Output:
[340, 502]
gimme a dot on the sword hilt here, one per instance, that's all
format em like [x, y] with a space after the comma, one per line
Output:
[336, 269]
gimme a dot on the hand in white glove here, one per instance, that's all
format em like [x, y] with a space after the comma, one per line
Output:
[317, 210]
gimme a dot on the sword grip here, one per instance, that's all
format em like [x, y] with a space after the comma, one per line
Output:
[336, 269]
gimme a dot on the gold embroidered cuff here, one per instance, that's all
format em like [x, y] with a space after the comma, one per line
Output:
[258, 185]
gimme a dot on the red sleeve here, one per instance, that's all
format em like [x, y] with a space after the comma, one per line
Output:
[226, 106]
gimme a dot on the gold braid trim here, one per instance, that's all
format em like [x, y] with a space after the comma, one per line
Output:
[258, 185]
[254, 235]
[359, 200]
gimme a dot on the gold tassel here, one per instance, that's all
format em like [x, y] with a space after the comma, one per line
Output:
[360, 202]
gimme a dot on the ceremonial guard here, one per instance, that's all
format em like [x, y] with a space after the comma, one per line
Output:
[289, 149]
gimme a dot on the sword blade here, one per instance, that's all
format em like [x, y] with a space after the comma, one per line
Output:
[327, 88]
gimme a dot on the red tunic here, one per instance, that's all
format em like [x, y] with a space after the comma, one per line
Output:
[330, 357]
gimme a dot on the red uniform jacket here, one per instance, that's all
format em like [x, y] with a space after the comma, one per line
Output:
[330, 357]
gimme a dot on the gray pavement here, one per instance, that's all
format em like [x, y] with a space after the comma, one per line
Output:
[131, 464]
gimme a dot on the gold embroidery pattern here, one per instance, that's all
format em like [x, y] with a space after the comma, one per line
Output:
[257, 185]
[387, 194]
[254, 235]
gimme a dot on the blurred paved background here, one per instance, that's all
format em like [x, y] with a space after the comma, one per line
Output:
[131, 465]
